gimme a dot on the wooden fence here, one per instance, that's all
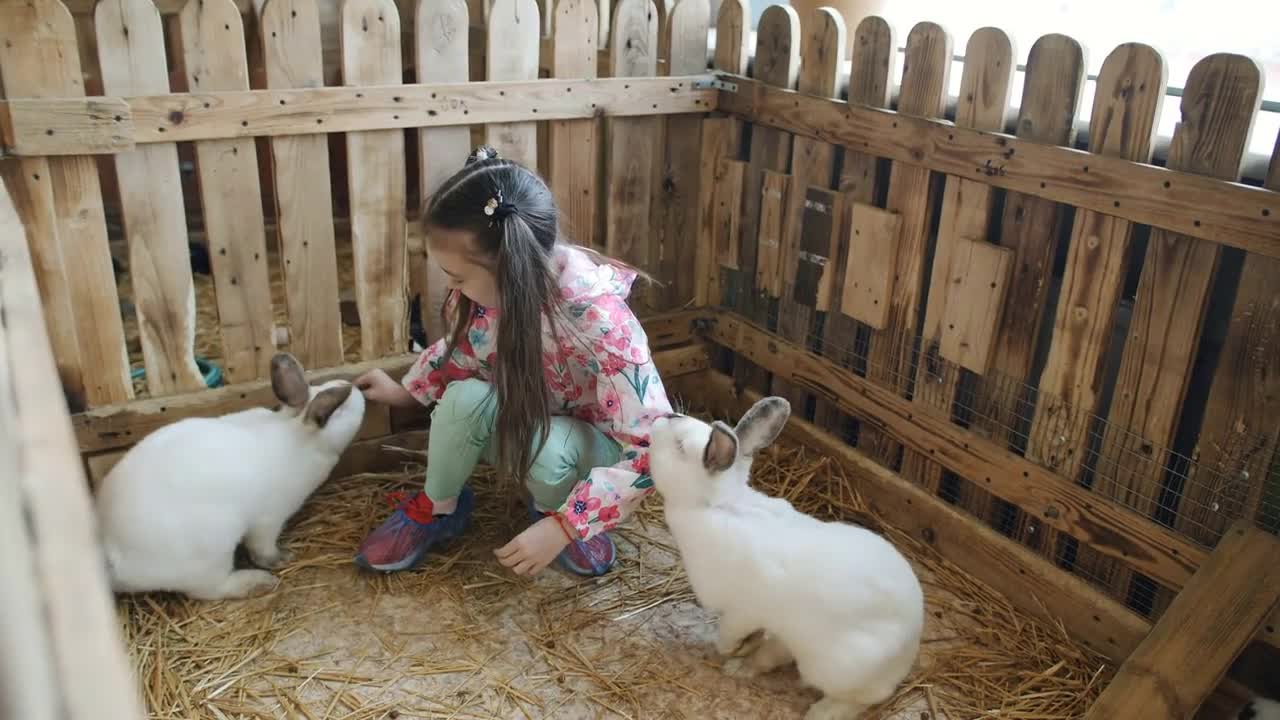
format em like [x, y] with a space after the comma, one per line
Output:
[1077, 347]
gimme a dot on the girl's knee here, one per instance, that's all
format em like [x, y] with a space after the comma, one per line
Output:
[464, 400]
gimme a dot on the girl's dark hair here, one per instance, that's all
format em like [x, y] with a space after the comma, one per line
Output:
[514, 219]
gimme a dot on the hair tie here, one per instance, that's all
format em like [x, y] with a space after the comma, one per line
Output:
[498, 209]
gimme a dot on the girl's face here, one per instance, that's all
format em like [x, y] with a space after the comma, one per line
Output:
[452, 251]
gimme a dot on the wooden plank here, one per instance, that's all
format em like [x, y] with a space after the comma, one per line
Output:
[777, 63]
[873, 51]
[118, 426]
[976, 286]
[33, 128]
[1221, 98]
[1187, 653]
[676, 195]
[512, 54]
[1036, 587]
[105, 433]
[718, 231]
[1030, 227]
[632, 143]
[131, 51]
[823, 220]
[911, 196]
[574, 159]
[30, 685]
[442, 54]
[1238, 433]
[376, 182]
[1155, 550]
[90, 672]
[212, 40]
[967, 212]
[872, 247]
[721, 137]
[290, 33]
[166, 7]
[60, 201]
[727, 213]
[1232, 214]
[773, 204]
[813, 165]
[1126, 105]
[179, 117]
[733, 31]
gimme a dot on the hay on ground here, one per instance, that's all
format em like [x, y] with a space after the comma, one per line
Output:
[462, 638]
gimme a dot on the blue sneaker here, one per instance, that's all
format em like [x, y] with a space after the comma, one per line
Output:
[591, 558]
[403, 539]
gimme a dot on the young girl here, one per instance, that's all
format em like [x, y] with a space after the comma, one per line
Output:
[546, 375]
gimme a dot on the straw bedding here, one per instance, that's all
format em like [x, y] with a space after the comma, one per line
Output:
[462, 638]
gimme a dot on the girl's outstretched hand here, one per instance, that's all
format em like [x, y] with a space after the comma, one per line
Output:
[378, 386]
[534, 549]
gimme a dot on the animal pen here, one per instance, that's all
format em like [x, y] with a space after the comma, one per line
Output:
[1044, 366]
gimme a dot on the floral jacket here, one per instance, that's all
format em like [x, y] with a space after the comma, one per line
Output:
[600, 372]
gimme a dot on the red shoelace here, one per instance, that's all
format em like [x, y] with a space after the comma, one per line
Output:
[418, 508]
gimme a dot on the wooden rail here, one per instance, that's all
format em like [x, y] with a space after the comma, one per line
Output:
[97, 125]
[1197, 206]
[1187, 653]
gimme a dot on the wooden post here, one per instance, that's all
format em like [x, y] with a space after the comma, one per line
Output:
[1188, 651]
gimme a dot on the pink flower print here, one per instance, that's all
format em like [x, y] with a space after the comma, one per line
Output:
[582, 505]
[585, 413]
[617, 340]
[612, 364]
[419, 387]
[609, 513]
[619, 313]
[611, 403]
[641, 464]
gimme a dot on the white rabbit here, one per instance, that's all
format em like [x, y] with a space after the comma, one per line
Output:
[1259, 708]
[837, 599]
[175, 507]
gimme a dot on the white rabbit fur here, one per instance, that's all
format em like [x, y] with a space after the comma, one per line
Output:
[837, 599]
[1259, 708]
[173, 510]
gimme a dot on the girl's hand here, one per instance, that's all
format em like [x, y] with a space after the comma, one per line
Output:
[534, 549]
[378, 386]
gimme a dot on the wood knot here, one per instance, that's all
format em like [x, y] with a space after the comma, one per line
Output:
[176, 117]
[928, 535]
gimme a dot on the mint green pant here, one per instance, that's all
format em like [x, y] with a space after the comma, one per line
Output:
[462, 426]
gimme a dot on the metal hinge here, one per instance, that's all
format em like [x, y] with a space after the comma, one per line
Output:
[715, 84]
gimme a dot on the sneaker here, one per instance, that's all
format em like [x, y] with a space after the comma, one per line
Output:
[590, 558]
[403, 539]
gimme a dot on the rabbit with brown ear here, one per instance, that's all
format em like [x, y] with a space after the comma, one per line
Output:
[838, 600]
[175, 507]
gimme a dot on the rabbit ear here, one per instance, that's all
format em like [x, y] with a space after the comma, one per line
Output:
[325, 403]
[761, 424]
[288, 381]
[721, 450]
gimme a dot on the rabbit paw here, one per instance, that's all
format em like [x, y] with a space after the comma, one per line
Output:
[739, 667]
[273, 560]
